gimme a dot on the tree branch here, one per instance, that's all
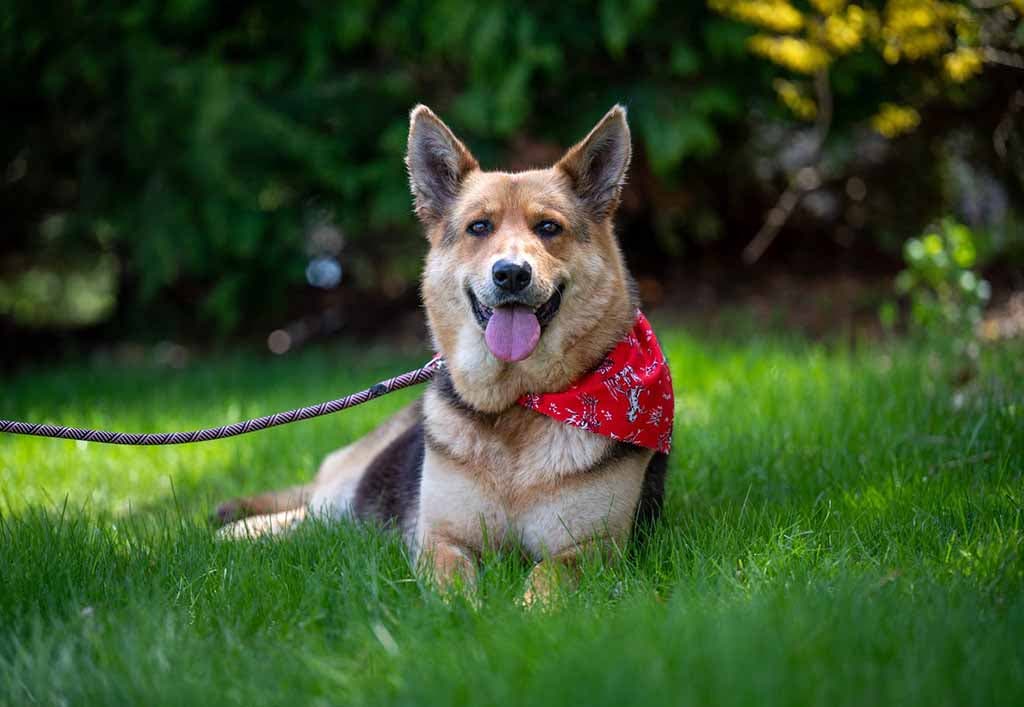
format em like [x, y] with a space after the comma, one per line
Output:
[807, 179]
[1002, 132]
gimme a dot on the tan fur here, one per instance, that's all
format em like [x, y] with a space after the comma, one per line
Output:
[545, 455]
[561, 571]
[263, 525]
[503, 473]
[545, 518]
[594, 316]
[266, 503]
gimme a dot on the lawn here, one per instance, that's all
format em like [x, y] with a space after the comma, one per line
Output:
[842, 528]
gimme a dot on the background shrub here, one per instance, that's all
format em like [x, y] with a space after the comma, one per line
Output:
[181, 164]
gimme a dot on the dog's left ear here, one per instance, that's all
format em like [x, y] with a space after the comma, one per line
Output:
[597, 165]
[438, 163]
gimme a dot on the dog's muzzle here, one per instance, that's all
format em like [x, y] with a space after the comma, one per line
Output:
[544, 313]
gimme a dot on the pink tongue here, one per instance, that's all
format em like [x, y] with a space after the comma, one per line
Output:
[512, 333]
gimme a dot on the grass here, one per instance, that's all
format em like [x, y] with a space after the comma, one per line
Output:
[842, 528]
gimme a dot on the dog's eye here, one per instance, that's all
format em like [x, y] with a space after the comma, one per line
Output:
[547, 229]
[482, 227]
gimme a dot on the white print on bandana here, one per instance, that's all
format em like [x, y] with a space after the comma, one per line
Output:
[605, 368]
[655, 417]
[635, 409]
[532, 401]
[622, 382]
[585, 419]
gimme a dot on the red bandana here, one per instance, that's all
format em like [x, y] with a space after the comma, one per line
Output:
[628, 397]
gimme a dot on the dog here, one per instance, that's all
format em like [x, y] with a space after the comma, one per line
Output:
[525, 291]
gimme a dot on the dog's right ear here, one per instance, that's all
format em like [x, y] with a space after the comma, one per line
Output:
[437, 163]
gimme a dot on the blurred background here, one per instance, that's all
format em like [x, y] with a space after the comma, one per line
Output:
[191, 175]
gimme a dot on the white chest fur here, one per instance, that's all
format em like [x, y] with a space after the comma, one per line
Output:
[522, 477]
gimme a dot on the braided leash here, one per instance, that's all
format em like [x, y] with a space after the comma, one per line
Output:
[420, 375]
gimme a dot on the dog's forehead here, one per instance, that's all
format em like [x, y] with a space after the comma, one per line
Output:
[493, 192]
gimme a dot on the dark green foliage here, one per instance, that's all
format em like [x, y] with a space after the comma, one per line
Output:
[197, 143]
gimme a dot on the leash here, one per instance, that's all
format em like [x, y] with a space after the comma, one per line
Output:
[415, 377]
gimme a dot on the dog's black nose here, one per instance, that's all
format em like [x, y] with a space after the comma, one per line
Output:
[510, 277]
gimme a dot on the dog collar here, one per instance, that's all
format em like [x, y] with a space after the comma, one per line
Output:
[628, 397]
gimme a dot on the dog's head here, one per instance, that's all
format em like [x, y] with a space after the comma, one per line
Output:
[524, 286]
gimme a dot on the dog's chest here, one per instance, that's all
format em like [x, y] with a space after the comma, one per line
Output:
[514, 452]
[520, 476]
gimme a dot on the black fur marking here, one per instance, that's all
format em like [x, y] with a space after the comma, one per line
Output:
[598, 172]
[582, 231]
[437, 446]
[616, 452]
[389, 491]
[652, 494]
[433, 169]
[445, 387]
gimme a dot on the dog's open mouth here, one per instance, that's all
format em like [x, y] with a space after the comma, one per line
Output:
[512, 330]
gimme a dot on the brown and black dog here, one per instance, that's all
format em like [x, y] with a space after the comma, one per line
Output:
[525, 290]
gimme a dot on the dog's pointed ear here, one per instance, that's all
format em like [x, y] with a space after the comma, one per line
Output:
[597, 165]
[437, 163]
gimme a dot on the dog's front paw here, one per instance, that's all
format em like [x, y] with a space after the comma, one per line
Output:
[545, 585]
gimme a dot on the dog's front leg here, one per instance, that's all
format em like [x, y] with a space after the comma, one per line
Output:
[561, 571]
[450, 565]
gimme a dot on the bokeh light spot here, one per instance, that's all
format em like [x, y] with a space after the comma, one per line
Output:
[279, 341]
